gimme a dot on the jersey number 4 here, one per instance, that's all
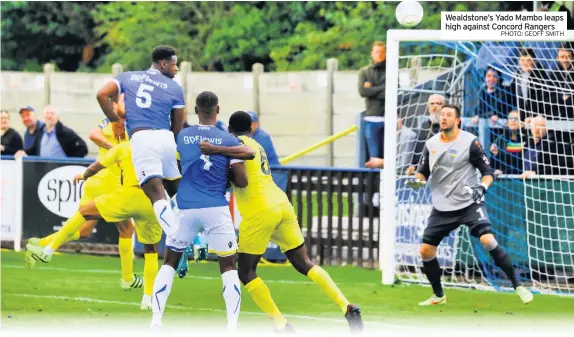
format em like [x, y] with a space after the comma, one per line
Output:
[143, 99]
[206, 162]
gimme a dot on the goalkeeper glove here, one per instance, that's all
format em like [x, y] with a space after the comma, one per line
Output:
[477, 192]
[416, 183]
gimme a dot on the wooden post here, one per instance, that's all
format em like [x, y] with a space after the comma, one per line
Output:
[332, 66]
[48, 70]
[257, 70]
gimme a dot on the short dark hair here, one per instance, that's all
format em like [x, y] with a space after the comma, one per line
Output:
[496, 71]
[207, 101]
[567, 46]
[240, 122]
[527, 52]
[453, 106]
[161, 53]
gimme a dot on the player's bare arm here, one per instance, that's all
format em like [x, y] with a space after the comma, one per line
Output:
[242, 152]
[238, 175]
[108, 93]
[177, 120]
[92, 170]
[97, 136]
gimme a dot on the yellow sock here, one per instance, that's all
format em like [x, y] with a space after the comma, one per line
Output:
[125, 248]
[262, 297]
[47, 239]
[151, 267]
[324, 281]
[68, 231]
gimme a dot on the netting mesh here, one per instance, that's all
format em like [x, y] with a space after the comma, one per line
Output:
[518, 99]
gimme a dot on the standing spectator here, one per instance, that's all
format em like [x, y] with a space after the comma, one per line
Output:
[57, 140]
[11, 140]
[562, 82]
[495, 101]
[263, 138]
[429, 128]
[506, 150]
[543, 154]
[33, 126]
[406, 139]
[372, 88]
[527, 87]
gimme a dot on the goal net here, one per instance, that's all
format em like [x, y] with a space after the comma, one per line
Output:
[525, 121]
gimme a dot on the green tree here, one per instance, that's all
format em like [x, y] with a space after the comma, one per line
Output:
[34, 33]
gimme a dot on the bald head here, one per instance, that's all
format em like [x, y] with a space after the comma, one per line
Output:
[51, 115]
[435, 104]
[538, 127]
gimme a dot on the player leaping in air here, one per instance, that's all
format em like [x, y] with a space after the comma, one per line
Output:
[203, 206]
[451, 159]
[107, 135]
[129, 201]
[153, 100]
[267, 215]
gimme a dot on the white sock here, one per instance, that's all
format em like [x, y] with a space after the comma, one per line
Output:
[165, 216]
[161, 289]
[232, 297]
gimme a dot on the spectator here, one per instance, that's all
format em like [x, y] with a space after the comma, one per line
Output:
[11, 140]
[543, 154]
[263, 138]
[495, 101]
[406, 138]
[506, 150]
[429, 128]
[57, 140]
[530, 96]
[372, 88]
[32, 124]
[562, 81]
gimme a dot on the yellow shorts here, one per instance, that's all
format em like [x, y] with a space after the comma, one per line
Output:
[277, 224]
[131, 202]
[96, 186]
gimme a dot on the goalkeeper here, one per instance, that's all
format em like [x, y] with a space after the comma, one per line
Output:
[452, 158]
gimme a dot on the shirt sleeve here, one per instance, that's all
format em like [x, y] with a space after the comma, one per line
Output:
[479, 159]
[111, 157]
[178, 101]
[118, 81]
[424, 167]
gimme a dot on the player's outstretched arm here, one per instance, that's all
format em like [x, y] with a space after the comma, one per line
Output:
[108, 93]
[97, 136]
[238, 175]
[92, 170]
[242, 152]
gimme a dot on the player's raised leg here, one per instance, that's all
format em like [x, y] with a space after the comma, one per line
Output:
[503, 261]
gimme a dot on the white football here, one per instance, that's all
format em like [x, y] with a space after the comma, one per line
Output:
[409, 13]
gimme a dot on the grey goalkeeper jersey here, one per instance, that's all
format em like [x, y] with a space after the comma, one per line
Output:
[452, 166]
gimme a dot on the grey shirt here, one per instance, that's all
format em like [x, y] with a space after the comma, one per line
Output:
[452, 166]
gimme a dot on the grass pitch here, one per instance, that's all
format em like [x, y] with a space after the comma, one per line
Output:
[82, 290]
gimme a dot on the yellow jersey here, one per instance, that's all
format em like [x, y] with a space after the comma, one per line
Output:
[261, 192]
[112, 172]
[121, 155]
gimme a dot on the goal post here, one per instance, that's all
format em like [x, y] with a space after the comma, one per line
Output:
[533, 218]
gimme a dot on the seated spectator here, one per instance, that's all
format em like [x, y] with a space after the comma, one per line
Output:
[11, 140]
[57, 140]
[406, 138]
[32, 124]
[429, 128]
[562, 82]
[543, 154]
[263, 138]
[506, 150]
[530, 97]
[495, 100]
